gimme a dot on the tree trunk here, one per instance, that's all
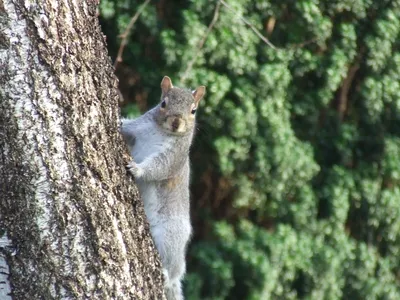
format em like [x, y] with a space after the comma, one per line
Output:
[72, 225]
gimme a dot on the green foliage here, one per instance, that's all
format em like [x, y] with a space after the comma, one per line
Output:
[296, 184]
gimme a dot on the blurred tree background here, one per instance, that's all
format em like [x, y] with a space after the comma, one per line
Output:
[296, 162]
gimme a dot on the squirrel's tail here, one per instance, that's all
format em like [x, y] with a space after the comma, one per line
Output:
[174, 291]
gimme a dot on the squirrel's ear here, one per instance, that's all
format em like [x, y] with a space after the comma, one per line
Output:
[166, 84]
[199, 93]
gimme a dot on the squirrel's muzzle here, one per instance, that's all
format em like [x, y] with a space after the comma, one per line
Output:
[175, 123]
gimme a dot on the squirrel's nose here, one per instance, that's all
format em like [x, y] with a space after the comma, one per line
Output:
[175, 123]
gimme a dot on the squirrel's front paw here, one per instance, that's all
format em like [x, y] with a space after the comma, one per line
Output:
[134, 169]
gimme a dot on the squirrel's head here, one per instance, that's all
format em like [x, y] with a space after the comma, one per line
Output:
[177, 109]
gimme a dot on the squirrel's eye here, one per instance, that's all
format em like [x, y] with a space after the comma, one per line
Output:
[194, 110]
[163, 104]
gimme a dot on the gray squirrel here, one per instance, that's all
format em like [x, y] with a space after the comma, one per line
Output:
[159, 143]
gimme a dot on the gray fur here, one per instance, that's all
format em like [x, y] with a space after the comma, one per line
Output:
[161, 167]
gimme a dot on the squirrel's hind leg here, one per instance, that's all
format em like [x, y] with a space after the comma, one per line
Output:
[174, 291]
[170, 239]
[173, 288]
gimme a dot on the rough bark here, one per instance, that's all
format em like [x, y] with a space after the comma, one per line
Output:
[72, 225]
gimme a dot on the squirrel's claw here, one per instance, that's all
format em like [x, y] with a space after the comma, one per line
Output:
[134, 169]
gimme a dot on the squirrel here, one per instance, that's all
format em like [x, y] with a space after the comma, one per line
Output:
[159, 143]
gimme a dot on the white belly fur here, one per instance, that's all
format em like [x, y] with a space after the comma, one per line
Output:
[148, 192]
[149, 140]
